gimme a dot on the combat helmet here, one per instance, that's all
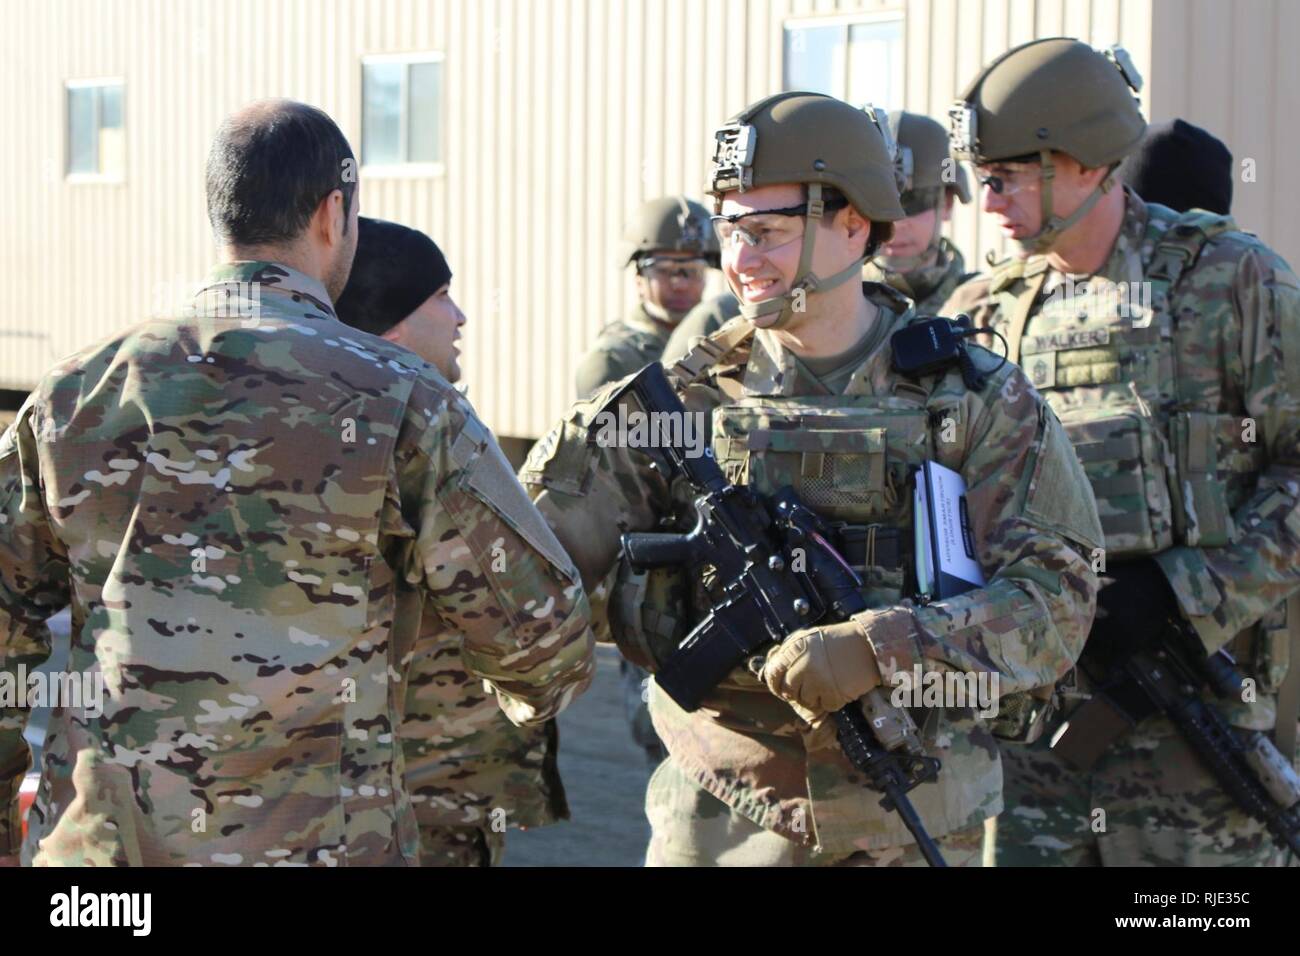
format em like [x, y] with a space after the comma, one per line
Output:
[1052, 94]
[675, 224]
[820, 142]
[929, 172]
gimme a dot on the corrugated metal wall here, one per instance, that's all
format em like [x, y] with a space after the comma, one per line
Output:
[562, 116]
[1233, 69]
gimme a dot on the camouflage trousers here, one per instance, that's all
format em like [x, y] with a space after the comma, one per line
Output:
[691, 827]
[1147, 802]
[637, 709]
[461, 846]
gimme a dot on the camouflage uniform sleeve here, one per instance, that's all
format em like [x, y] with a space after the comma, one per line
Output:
[971, 297]
[598, 367]
[491, 566]
[591, 493]
[33, 585]
[1035, 525]
[1226, 589]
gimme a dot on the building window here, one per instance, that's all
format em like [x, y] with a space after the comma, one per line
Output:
[855, 59]
[96, 138]
[401, 111]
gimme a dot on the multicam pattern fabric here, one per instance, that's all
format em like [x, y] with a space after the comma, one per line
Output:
[691, 827]
[468, 846]
[228, 499]
[468, 768]
[1146, 803]
[928, 287]
[1034, 523]
[623, 347]
[1184, 404]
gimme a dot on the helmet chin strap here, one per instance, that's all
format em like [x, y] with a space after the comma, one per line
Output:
[1053, 226]
[803, 278]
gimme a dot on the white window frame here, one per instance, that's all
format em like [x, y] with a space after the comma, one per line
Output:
[848, 21]
[405, 170]
[96, 177]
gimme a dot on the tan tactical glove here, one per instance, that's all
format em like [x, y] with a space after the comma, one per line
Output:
[820, 669]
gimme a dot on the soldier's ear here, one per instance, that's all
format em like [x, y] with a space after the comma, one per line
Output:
[330, 219]
[855, 223]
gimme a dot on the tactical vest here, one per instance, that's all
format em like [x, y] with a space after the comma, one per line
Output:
[1101, 352]
[1164, 471]
[849, 457]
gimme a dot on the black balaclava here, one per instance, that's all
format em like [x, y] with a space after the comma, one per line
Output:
[1183, 167]
[395, 270]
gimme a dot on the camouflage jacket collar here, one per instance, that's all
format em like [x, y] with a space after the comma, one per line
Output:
[772, 369]
[919, 284]
[1125, 254]
[252, 279]
[1126, 261]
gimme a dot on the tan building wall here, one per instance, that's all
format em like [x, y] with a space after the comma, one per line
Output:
[561, 117]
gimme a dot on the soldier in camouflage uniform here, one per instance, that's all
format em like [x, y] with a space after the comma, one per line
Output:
[919, 261]
[1169, 345]
[228, 500]
[470, 771]
[671, 245]
[800, 390]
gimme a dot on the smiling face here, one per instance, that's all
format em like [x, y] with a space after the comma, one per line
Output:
[757, 274]
[432, 331]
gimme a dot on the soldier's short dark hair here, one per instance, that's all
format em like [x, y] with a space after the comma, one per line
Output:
[270, 166]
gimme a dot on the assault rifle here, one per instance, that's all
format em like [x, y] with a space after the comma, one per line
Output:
[777, 573]
[1164, 672]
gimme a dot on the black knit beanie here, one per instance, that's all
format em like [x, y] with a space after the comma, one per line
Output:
[1183, 167]
[395, 270]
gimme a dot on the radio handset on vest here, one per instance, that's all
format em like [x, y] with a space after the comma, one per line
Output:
[929, 346]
